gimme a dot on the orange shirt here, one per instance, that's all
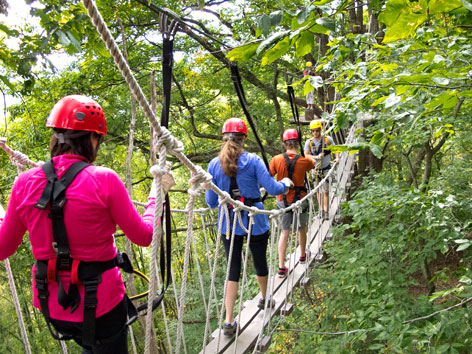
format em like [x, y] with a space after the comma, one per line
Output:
[278, 167]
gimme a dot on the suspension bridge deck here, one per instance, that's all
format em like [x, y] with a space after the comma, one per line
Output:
[252, 320]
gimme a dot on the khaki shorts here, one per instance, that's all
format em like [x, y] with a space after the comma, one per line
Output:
[288, 217]
[317, 178]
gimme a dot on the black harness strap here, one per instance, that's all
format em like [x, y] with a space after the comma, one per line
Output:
[291, 168]
[235, 193]
[316, 150]
[296, 117]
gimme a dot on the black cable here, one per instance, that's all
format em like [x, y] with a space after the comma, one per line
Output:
[236, 78]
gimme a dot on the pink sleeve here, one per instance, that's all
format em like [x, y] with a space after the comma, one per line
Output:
[11, 229]
[136, 227]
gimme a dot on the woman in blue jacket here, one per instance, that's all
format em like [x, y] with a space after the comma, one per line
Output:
[241, 173]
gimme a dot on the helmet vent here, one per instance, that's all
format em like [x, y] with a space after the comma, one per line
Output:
[80, 115]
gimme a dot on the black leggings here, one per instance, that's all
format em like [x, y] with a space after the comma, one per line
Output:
[110, 329]
[258, 247]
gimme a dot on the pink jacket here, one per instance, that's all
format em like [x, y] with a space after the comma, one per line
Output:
[96, 202]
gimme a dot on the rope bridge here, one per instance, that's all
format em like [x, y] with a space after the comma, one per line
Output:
[255, 325]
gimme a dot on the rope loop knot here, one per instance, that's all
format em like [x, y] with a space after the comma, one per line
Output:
[165, 138]
[199, 181]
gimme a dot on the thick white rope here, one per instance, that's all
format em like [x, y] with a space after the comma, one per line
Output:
[198, 177]
[212, 285]
[16, 302]
[157, 172]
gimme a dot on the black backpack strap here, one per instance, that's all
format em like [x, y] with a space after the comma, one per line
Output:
[234, 191]
[291, 168]
[51, 178]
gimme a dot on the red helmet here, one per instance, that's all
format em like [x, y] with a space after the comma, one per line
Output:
[234, 125]
[290, 134]
[77, 112]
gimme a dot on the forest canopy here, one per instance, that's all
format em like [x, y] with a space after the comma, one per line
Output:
[398, 70]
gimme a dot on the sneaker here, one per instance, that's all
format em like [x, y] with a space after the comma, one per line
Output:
[326, 215]
[303, 259]
[261, 303]
[229, 329]
[282, 272]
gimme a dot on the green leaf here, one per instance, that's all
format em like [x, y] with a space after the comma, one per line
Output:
[319, 29]
[302, 15]
[276, 51]
[404, 27]
[377, 137]
[441, 6]
[467, 5]
[376, 150]
[462, 247]
[63, 38]
[392, 100]
[24, 68]
[201, 4]
[243, 53]
[304, 44]
[327, 23]
[74, 41]
[270, 41]
[446, 99]
[379, 101]
[7, 82]
[316, 81]
[264, 22]
[441, 80]
[276, 18]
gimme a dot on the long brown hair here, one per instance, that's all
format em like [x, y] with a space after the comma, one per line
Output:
[230, 152]
[75, 142]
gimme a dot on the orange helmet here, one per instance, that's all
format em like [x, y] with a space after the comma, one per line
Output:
[77, 112]
[234, 125]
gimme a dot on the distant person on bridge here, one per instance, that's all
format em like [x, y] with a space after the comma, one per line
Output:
[317, 149]
[70, 209]
[241, 174]
[310, 96]
[290, 164]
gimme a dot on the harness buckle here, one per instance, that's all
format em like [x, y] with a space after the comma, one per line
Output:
[64, 263]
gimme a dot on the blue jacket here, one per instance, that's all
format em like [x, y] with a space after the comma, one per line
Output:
[251, 174]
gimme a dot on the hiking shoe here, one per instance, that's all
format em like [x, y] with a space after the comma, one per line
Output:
[303, 259]
[282, 272]
[229, 329]
[326, 215]
[261, 303]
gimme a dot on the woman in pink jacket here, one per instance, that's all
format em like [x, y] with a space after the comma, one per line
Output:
[76, 281]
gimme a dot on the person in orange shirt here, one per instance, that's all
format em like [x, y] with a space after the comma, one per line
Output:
[290, 164]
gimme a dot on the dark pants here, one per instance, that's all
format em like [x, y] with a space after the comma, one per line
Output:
[111, 333]
[258, 247]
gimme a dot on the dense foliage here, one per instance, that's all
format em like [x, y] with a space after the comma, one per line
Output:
[401, 71]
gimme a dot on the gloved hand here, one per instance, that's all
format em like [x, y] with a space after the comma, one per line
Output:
[288, 183]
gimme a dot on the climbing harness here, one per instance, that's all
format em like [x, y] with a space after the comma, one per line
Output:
[86, 273]
[291, 168]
